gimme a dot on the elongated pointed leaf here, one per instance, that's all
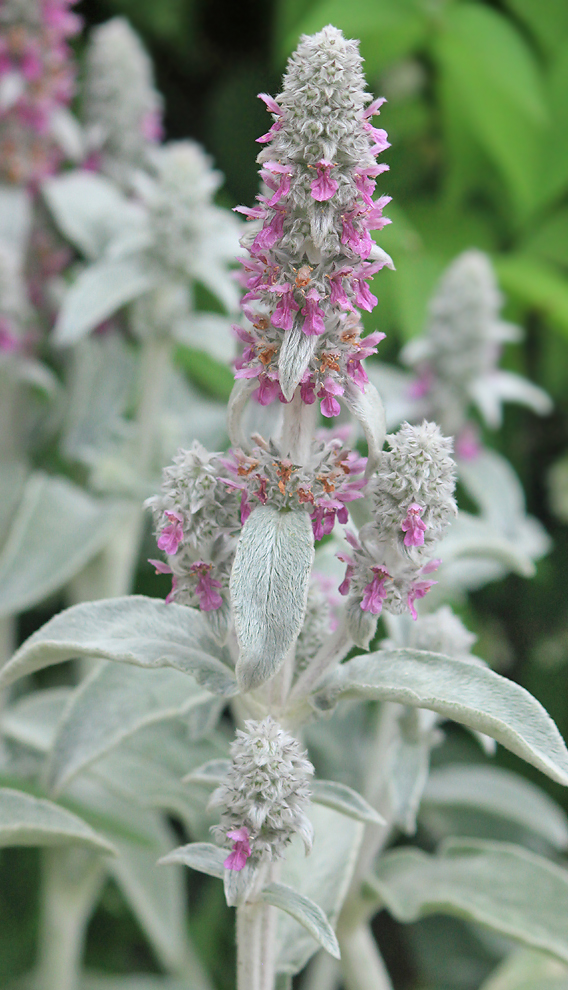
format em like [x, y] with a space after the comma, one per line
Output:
[137, 630]
[368, 408]
[114, 702]
[57, 529]
[307, 912]
[295, 355]
[497, 884]
[324, 878]
[30, 821]
[465, 692]
[345, 800]
[201, 856]
[496, 791]
[269, 588]
[240, 394]
[98, 292]
[528, 969]
[32, 720]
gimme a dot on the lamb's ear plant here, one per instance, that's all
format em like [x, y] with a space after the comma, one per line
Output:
[248, 622]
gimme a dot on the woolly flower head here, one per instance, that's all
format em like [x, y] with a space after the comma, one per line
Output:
[121, 105]
[465, 333]
[190, 232]
[266, 791]
[196, 523]
[418, 472]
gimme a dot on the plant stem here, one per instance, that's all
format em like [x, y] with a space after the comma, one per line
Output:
[256, 941]
[361, 962]
[336, 646]
[71, 883]
[298, 429]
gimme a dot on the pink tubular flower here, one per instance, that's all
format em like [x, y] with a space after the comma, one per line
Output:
[338, 296]
[273, 107]
[330, 406]
[349, 572]
[418, 590]
[308, 390]
[267, 391]
[282, 317]
[162, 568]
[209, 599]
[270, 233]
[281, 188]
[375, 592]
[172, 535]
[241, 849]
[413, 526]
[324, 187]
[468, 445]
[313, 323]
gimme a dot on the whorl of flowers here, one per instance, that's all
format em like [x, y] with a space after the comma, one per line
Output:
[332, 477]
[196, 520]
[37, 79]
[412, 505]
[264, 797]
[122, 108]
[462, 343]
[310, 252]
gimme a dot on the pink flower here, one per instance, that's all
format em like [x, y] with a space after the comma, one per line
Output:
[245, 507]
[421, 385]
[324, 187]
[209, 599]
[241, 849]
[375, 592]
[350, 570]
[162, 568]
[363, 296]
[338, 296]
[418, 590]
[323, 520]
[172, 535]
[270, 233]
[313, 323]
[468, 446]
[152, 129]
[267, 391]
[330, 406]
[273, 107]
[283, 187]
[282, 315]
[356, 371]
[413, 526]
[307, 391]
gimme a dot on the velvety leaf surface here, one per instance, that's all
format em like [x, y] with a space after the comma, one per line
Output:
[497, 884]
[269, 587]
[137, 630]
[30, 821]
[309, 914]
[465, 692]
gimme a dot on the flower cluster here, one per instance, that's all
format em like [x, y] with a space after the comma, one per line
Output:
[332, 477]
[36, 80]
[196, 522]
[264, 797]
[412, 496]
[310, 252]
[123, 110]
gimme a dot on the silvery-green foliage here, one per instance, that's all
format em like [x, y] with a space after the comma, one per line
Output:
[269, 588]
[136, 630]
[56, 529]
[31, 821]
[122, 108]
[501, 885]
[466, 692]
[496, 793]
[528, 969]
[305, 911]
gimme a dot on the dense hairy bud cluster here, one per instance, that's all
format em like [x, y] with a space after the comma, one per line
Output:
[319, 620]
[122, 108]
[331, 478]
[192, 237]
[264, 797]
[196, 521]
[36, 80]
[412, 496]
[310, 250]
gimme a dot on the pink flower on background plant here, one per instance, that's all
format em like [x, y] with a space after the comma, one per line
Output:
[209, 599]
[375, 592]
[162, 568]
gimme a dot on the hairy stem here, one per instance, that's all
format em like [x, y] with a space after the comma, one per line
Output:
[334, 649]
[361, 962]
[256, 941]
[298, 429]
[71, 881]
